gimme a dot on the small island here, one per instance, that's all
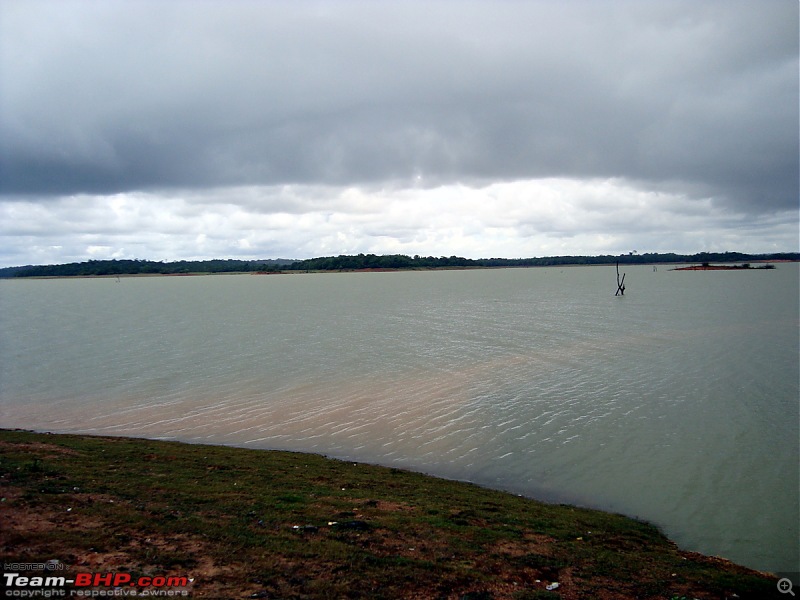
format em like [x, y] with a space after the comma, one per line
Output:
[708, 267]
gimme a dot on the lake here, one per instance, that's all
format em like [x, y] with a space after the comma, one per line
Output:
[676, 403]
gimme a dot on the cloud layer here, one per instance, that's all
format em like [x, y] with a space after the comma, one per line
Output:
[512, 219]
[197, 129]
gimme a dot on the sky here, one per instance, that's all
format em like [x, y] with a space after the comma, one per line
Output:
[293, 129]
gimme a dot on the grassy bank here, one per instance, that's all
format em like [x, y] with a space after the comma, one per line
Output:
[258, 524]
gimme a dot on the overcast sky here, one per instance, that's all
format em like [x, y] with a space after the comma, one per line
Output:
[257, 129]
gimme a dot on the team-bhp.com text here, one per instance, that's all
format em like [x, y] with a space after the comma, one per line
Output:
[123, 584]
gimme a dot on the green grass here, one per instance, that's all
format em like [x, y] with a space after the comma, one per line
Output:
[249, 522]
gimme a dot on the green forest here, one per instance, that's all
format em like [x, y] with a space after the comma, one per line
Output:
[359, 262]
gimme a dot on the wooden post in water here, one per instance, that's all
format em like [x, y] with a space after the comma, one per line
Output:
[620, 283]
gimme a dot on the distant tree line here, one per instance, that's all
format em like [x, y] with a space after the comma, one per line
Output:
[401, 261]
[145, 267]
[366, 261]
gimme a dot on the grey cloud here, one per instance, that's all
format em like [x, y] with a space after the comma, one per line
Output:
[118, 96]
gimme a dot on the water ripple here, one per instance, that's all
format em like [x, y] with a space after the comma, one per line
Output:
[677, 403]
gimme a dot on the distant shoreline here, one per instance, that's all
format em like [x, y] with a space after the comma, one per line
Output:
[370, 263]
[389, 270]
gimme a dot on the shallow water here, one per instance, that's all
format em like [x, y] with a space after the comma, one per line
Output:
[677, 403]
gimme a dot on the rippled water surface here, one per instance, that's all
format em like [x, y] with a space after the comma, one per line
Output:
[677, 403]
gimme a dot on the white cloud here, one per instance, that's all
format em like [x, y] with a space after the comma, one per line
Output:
[523, 218]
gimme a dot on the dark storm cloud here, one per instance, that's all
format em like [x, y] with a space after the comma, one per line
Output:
[116, 96]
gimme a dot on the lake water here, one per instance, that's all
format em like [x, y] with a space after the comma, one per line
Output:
[677, 403]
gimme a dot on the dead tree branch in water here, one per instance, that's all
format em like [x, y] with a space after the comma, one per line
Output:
[620, 283]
